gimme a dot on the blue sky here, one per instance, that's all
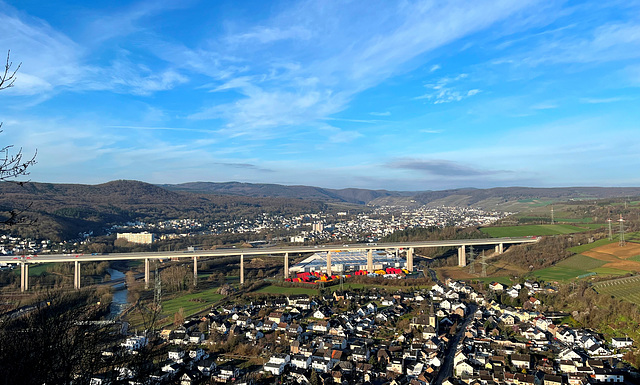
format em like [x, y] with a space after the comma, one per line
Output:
[400, 95]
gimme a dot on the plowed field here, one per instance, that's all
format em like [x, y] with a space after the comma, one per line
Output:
[616, 256]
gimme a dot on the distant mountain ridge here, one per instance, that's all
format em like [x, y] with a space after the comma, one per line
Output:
[452, 197]
[347, 195]
[64, 210]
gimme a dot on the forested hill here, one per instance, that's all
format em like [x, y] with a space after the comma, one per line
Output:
[347, 195]
[500, 198]
[508, 198]
[62, 211]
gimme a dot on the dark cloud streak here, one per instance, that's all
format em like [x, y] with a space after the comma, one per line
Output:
[439, 167]
[245, 166]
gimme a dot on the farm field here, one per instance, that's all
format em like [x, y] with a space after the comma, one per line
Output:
[499, 271]
[602, 257]
[581, 262]
[558, 273]
[616, 257]
[530, 230]
[627, 289]
[589, 246]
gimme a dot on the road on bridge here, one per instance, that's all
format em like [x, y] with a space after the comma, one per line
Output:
[274, 251]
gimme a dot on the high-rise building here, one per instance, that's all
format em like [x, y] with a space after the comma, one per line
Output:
[144, 238]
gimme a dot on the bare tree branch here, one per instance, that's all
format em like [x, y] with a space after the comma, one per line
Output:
[8, 77]
[12, 163]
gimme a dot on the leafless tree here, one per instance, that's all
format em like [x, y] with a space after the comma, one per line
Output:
[56, 341]
[12, 163]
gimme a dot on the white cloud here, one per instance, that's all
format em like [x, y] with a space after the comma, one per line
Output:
[472, 92]
[385, 113]
[261, 110]
[606, 43]
[602, 100]
[434, 67]
[49, 58]
[344, 136]
[124, 22]
[342, 56]
[545, 106]
[445, 92]
[53, 62]
[271, 34]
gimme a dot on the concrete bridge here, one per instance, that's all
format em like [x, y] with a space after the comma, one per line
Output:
[77, 259]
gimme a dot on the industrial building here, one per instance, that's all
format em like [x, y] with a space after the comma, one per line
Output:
[347, 261]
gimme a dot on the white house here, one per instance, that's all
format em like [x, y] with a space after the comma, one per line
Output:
[135, 343]
[463, 368]
[606, 375]
[300, 361]
[274, 368]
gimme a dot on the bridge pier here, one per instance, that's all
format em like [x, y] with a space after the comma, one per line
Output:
[462, 257]
[241, 269]
[370, 260]
[146, 273]
[76, 275]
[24, 277]
[410, 260]
[195, 271]
[500, 248]
[329, 263]
[286, 265]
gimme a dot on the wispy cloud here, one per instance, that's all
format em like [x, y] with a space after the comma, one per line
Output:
[276, 99]
[270, 34]
[545, 106]
[434, 68]
[52, 63]
[150, 128]
[605, 43]
[385, 113]
[128, 20]
[444, 92]
[602, 100]
[344, 136]
[367, 121]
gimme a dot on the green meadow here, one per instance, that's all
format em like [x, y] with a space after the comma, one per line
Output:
[530, 230]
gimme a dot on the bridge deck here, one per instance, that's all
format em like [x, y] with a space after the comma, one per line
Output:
[267, 251]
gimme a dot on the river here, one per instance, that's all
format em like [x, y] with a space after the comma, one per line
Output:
[120, 293]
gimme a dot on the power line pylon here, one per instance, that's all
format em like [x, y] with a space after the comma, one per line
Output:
[551, 214]
[484, 265]
[622, 242]
[610, 231]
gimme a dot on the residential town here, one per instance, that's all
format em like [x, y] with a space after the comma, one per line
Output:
[306, 228]
[367, 226]
[449, 334]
